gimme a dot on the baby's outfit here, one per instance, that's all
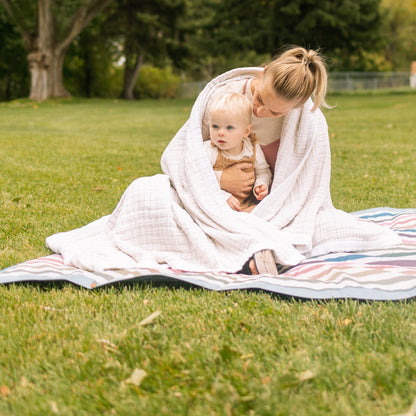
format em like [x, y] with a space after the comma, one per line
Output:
[268, 130]
[251, 152]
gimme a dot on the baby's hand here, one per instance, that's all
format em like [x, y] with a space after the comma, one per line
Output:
[234, 203]
[260, 192]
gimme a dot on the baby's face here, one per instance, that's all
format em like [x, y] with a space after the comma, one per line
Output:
[227, 131]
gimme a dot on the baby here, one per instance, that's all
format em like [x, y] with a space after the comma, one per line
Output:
[231, 141]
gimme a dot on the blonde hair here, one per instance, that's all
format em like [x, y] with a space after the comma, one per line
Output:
[234, 104]
[298, 74]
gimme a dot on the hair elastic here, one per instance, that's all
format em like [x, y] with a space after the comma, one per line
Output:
[306, 61]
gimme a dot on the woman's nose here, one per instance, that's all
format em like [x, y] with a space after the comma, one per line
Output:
[261, 111]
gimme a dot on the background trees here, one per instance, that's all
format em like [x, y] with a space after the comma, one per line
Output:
[14, 71]
[48, 28]
[399, 28]
[100, 45]
[148, 31]
[344, 29]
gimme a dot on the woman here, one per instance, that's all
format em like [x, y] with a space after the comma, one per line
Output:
[287, 82]
[180, 219]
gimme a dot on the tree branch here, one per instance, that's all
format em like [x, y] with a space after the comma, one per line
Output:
[8, 7]
[81, 18]
[16, 14]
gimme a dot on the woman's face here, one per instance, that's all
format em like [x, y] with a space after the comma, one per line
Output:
[266, 103]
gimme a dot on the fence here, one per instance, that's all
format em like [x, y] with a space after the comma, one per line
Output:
[337, 81]
[353, 81]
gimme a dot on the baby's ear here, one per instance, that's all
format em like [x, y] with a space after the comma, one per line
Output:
[249, 129]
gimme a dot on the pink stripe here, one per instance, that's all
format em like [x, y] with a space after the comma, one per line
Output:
[408, 220]
[51, 259]
[349, 267]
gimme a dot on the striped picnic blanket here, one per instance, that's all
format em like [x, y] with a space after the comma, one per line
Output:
[374, 275]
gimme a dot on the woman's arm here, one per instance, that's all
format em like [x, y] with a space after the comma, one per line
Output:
[236, 181]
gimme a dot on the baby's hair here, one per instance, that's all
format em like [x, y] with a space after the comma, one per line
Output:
[298, 74]
[232, 103]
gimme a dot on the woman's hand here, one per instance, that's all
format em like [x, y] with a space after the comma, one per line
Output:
[236, 181]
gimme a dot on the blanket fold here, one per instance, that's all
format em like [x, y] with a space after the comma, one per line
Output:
[181, 219]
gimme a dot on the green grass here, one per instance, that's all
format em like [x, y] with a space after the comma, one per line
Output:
[373, 144]
[69, 351]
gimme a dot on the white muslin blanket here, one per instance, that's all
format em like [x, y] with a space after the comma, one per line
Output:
[181, 220]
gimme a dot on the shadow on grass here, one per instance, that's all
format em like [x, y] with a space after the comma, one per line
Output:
[171, 284]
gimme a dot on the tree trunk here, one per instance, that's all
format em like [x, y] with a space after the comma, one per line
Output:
[46, 52]
[134, 58]
[46, 74]
[8, 93]
[45, 58]
[130, 77]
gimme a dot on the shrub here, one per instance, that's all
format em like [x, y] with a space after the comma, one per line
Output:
[157, 83]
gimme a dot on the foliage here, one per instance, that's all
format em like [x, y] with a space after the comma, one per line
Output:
[13, 64]
[201, 38]
[90, 69]
[76, 352]
[148, 32]
[48, 29]
[342, 28]
[24, 13]
[241, 25]
[399, 27]
[214, 65]
[157, 83]
[194, 33]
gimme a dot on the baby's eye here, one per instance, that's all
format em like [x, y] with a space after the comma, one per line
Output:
[214, 126]
[259, 99]
[230, 127]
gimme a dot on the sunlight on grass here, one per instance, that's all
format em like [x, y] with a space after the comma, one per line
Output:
[372, 142]
[70, 351]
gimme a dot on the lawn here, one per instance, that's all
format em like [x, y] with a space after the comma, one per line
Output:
[69, 351]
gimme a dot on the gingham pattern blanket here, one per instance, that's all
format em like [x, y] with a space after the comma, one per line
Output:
[387, 274]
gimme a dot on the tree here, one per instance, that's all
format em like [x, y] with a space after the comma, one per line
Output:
[344, 29]
[48, 28]
[14, 73]
[147, 31]
[240, 25]
[399, 29]
[89, 66]
[341, 28]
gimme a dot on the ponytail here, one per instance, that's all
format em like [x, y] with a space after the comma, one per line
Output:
[298, 74]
